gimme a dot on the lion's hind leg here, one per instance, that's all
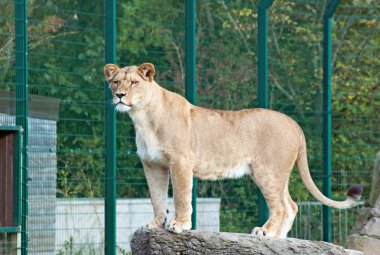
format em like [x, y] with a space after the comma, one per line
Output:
[282, 209]
[291, 210]
[273, 226]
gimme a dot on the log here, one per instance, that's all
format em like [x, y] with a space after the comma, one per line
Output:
[160, 241]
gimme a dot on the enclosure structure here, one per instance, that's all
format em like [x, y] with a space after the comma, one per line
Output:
[10, 193]
[54, 51]
[42, 167]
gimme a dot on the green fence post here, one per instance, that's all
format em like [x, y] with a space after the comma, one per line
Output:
[190, 78]
[22, 95]
[262, 76]
[327, 74]
[110, 132]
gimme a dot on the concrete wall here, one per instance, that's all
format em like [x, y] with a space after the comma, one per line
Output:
[42, 185]
[81, 221]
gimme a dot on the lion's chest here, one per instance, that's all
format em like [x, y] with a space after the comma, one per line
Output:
[148, 146]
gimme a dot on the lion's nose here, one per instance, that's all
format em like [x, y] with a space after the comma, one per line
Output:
[120, 95]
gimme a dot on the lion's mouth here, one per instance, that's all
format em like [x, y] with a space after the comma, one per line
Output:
[122, 107]
[129, 105]
[122, 103]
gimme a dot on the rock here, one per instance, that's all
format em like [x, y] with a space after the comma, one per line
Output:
[372, 228]
[362, 217]
[366, 232]
[159, 242]
[375, 212]
[368, 245]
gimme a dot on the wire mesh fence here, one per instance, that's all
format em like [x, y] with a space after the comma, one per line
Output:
[65, 54]
[226, 79]
[66, 99]
[295, 62]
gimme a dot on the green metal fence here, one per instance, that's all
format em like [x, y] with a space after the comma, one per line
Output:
[78, 155]
[353, 134]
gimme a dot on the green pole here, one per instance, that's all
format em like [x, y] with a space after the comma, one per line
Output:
[262, 76]
[327, 155]
[110, 132]
[22, 95]
[190, 78]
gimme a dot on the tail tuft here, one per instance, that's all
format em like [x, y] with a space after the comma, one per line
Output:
[355, 191]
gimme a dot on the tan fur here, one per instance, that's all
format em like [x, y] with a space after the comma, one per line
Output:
[177, 138]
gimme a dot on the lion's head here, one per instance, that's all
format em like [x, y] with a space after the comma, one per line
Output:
[129, 84]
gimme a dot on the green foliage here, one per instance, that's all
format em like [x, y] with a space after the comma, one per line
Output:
[71, 248]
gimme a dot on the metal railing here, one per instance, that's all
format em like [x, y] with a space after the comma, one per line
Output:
[308, 223]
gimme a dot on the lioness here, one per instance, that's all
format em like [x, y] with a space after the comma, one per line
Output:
[176, 137]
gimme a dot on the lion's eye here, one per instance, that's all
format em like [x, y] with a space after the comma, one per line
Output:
[133, 83]
[115, 84]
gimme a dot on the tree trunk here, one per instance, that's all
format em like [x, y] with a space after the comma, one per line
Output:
[159, 241]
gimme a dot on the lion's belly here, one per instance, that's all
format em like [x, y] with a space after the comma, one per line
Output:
[209, 170]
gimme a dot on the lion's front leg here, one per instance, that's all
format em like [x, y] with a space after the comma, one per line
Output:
[158, 181]
[182, 181]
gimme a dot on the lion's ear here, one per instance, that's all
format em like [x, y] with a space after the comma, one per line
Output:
[147, 71]
[110, 70]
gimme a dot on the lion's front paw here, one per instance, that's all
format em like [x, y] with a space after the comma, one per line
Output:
[156, 223]
[177, 226]
[257, 231]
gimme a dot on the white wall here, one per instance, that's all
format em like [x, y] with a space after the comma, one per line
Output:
[83, 221]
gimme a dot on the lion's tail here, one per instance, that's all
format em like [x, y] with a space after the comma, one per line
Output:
[353, 193]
